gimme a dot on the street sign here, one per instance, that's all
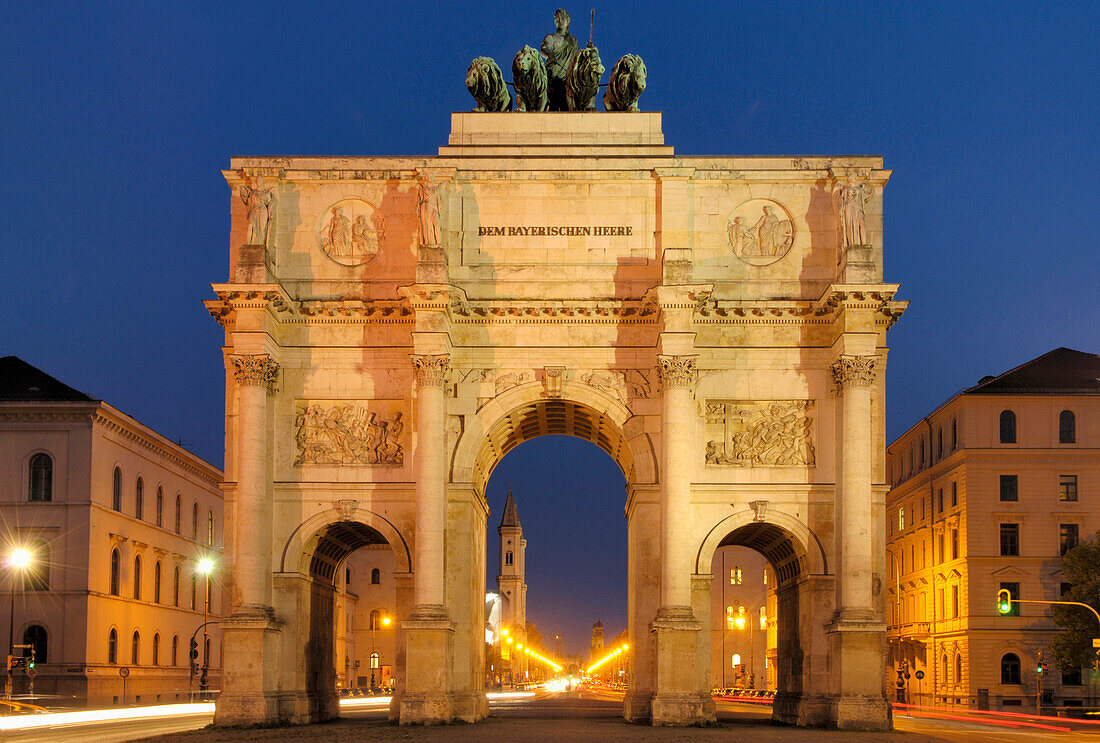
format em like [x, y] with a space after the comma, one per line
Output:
[907, 674]
[32, 672]
[124, 672]
[920, 675]
[1096, 642]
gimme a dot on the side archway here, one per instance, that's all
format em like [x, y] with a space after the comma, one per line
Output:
[303, 542]
[789, 545]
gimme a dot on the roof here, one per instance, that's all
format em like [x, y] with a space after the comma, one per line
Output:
[22, 382]
[511, 515]
[1061, 371]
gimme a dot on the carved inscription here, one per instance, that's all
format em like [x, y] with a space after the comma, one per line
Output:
[760, 433]
[348, 434]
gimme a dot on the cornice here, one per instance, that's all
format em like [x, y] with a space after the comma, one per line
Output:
[40, 412]
[120, 427]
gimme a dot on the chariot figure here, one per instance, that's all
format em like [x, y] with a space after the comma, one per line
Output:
[560, 49]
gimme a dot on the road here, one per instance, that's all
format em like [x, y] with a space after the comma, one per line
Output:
[586, 715]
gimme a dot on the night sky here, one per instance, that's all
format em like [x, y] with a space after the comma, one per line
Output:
[117, 118]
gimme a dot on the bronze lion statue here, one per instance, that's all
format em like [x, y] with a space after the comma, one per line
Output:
[583, 81]
[529, 76]
[486, 84]
[626, 84]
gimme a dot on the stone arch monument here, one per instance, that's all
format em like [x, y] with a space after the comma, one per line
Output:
[401, 323]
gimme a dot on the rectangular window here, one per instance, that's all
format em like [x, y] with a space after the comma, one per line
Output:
[943, 607]
[939, 543]
[1063, 589]
[954, 494]
[1071, 678]
[954, 544]
[901, 519]
[940, 510]
[1010, 488]
[923, 509]
[1067, 487]
[955, 602]
[1010, 540]
[1014, 592]
[1068, 537]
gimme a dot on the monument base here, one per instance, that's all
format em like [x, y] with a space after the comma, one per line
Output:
[249, 682]
[856, 648]
[679, 701]
[638, 706]
[429, 649]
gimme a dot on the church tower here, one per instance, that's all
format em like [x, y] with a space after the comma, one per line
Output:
[512, 585]
[597, 642]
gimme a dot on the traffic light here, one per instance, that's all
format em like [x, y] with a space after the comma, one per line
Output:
[194, 656]
[1004, 601]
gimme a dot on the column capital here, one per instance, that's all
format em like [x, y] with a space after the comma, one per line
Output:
[431, 369]
[258, 370]
[677, 371]
[854, 371]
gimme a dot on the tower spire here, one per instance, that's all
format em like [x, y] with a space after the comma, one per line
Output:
[511, 515]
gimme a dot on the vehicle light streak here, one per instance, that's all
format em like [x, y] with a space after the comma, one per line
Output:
[974, 718]
[997, 713]
[532, 654]
[613, 654]
[51, 719]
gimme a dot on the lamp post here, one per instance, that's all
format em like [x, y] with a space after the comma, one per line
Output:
[205, 567]
[18, 560]
[374, 660]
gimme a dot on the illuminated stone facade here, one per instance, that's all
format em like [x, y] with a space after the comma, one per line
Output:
[704, 320]
[116, 517]
[742, 620]
[987, 491]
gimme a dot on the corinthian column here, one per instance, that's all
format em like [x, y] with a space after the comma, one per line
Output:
[854, 376]
[257, 377]
[430, 465]
[678, 376]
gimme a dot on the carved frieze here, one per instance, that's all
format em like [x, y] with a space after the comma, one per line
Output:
[347, 433]
[760, 231]
[431, 369]
[623, 384]
[508, 380]
[760, 433]
[854, 371]
[351, 232]
[677, 371]
[255, 371]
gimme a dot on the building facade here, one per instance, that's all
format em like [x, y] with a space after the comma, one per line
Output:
[365, 624]
[742, 620]
[987, 492]
[117, 520]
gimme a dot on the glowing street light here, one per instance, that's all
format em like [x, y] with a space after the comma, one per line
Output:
[613, 654]
[205, 566]
[19, 559]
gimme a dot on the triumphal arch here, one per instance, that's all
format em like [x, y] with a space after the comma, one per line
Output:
[395, 325]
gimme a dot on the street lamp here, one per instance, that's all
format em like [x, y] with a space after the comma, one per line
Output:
[374, 661]
[205, 568]
[19, 559]
[742, 619]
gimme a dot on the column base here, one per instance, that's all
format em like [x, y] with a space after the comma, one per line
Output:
[250, 677]
[803, 710]
[429, 646]
[682, 710]
[469, 706]
[678, 701]
[638, 706]
[857, 646]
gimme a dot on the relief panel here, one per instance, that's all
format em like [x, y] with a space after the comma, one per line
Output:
[344, 432]
[760, 433]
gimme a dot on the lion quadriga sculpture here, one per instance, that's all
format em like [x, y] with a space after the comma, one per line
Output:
[626, 84]
[529, 76]
[486, 84]
[583, 82]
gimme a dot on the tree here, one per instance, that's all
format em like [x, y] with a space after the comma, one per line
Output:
[1073, 648]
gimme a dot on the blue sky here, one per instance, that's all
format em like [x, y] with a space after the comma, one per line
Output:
[116, 119]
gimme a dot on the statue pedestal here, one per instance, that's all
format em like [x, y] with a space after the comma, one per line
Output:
[857, 265]
[252, 265]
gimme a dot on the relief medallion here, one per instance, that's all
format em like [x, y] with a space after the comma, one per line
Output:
[351, 232]
[760, 231]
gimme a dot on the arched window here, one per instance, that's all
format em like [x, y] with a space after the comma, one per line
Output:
[156, 583]
[160, 506]
[508, 558]
[1010, 668]
[112, 647]
[921, 452]
[35, 636]
[943, 667]
[374, 660]
[116, 572]
[176, 586]
[735, 576]
[1067, 429]
[175, 649]
[116, 496]
[139, 499]
[731, 618]
[156, 649]
[376, 619]
[179, 514]
[135, 649]
[958, 668]
[193, 583]
[210, 528]
[375, 577]
[195, 520]
[939, 443]
[37, 575]
[1008, 427]
[41, 478]
[954, 435]
[137, 577]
